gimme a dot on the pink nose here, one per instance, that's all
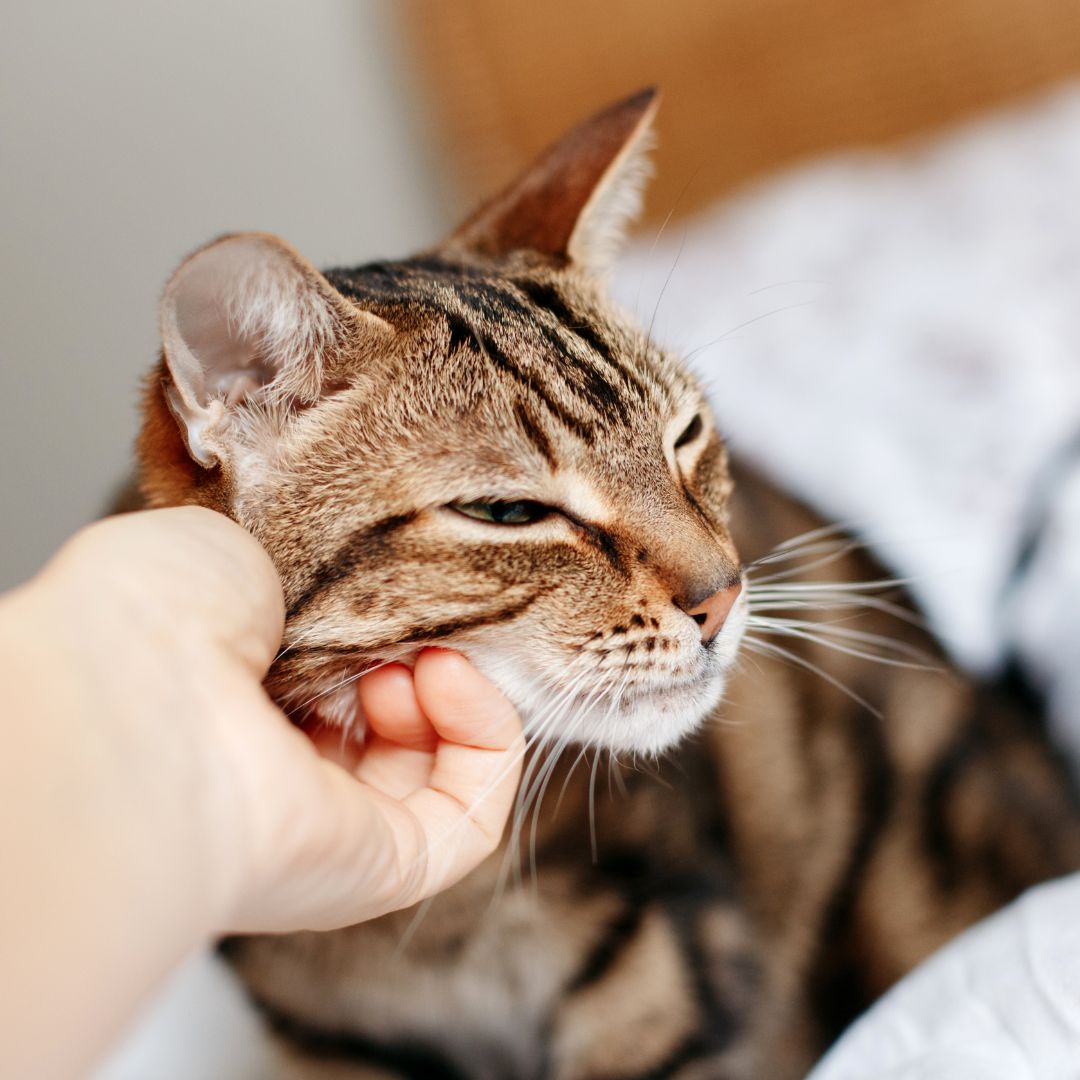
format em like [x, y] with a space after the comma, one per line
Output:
[713, 610]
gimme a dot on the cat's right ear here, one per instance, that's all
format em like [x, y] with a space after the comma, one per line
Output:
[247, 321]
[577, 198]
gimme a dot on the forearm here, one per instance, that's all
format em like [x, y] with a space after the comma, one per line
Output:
[99, 895]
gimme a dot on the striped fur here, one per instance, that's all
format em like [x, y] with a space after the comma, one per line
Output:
[689, 900]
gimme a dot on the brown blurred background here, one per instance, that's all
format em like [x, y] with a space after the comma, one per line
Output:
[749, 85]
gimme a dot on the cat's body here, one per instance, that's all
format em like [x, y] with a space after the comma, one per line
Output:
[749, 895]
[472, 448]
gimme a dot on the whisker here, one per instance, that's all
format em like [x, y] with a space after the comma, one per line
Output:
[847, 650]
[549, 770]
[745, 323]
[550, 717]
[786, 284]
[818, 547]
[820, 532]
[834, 586]
[649, 770]
[663, 288]
[827, 601]
[593, 846]
[346, 680]
[829, 626]
[411, 928]
[615, 770]
[616, 701]
[831, 556]
[299, 639]
[535, 797]
[771, 649]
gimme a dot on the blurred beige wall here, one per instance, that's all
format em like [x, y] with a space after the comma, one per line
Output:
[131, 132]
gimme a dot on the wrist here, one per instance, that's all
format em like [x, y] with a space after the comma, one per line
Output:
[99, 727]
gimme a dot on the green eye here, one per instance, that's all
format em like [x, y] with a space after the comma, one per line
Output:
[503, 513]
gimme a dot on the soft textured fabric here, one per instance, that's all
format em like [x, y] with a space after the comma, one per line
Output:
[1002, 1002]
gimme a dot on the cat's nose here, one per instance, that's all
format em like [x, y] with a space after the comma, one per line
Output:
[711, 612]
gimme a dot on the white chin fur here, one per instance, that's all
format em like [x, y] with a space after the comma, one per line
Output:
[654, 722]
[645, 719]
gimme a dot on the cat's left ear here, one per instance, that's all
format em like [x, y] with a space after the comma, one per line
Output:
[248, 322]
[576, 200]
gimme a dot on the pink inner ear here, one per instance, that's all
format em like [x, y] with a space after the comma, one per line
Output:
[225, 304]
[230, 359]
[544, 208]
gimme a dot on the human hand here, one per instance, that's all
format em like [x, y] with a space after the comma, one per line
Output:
[165, 624]
[152, 796]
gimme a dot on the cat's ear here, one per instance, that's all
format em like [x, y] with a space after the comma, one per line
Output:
[247, 320]
[577, 198]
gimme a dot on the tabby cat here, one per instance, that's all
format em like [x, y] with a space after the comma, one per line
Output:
[474, 448]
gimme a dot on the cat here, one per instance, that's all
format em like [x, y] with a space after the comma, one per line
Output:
[473, 447]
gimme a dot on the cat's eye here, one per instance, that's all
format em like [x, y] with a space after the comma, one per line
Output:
[504, 512]
[690, 432]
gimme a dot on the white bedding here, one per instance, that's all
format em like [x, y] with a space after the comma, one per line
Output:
[1002, 1002]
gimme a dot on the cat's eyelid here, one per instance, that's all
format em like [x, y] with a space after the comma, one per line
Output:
[501, 497]
[535, 511]
[575, 500]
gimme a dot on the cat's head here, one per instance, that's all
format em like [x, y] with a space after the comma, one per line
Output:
[470, 448]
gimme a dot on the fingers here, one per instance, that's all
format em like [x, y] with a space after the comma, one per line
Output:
[463, 809]
[232, 575]
[388, 698]
[463, 706]
[186, 572]
[400, 739]
[425, 805]
[466, 712]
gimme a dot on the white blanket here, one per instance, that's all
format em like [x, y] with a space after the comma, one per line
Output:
[1002, 1002]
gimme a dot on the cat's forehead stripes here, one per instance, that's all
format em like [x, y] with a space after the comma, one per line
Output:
[529, 424]
[532, 383]
[529, 331]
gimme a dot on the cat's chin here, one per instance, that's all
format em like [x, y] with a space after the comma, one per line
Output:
[654, 721]
[601, 707]
[641, 720]
[634, 710]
